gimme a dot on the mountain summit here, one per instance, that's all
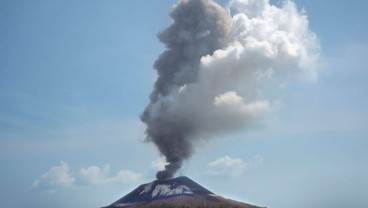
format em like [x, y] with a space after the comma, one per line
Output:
[176, 192]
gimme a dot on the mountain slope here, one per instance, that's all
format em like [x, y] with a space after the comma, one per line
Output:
[176, 192]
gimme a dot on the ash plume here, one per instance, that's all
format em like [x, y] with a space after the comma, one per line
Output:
[219, 68]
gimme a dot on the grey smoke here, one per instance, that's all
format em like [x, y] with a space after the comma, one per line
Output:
[217, 69]
[200, 27]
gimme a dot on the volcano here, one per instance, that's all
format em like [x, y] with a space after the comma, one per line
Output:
[177, 192]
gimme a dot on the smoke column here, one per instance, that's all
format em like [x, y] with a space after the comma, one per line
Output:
[220, 68]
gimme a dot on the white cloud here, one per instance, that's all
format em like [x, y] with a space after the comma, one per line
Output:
[98, 176]
[61, 176]
[56, 176]
[227, 166]
[159, 163]
[233, 167]
[268, 46]
[94, 174]
[233, 104]
[127, 176]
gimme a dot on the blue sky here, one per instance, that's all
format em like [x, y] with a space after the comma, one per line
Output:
[76, 75]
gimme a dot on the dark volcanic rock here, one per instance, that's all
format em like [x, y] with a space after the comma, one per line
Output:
[178, 192]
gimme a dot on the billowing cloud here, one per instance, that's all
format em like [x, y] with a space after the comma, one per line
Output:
[227, 166]
[62, 177]
[56, 176]
[98, 176]
[159, 163]
[221, 70]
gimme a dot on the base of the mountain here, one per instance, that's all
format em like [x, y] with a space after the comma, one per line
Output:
[191, 202]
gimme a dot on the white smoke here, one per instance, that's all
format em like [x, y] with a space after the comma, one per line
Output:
[266, 47]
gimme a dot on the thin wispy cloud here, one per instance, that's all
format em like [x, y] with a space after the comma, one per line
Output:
[232, 167]
[98, 176]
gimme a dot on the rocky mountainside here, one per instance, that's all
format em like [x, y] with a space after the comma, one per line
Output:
[177, 192]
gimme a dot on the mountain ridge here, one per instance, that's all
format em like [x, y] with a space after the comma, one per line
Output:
[177, 192]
